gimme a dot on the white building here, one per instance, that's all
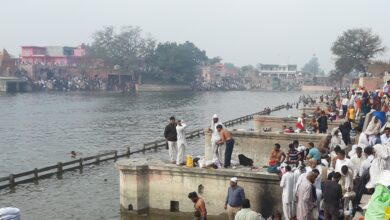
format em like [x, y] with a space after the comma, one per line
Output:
[281, 71]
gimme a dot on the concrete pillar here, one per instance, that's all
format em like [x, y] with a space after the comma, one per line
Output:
[3, 86]
[134, 189]
[208, 151]
[257, 124]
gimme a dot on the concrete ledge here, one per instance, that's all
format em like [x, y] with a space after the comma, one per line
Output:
[277, 123]
[259, 145]
[151, 186]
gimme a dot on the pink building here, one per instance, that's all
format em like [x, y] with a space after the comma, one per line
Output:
[59, 56]
[32, 54]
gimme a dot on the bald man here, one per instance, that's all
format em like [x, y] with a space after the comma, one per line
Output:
[305, 197]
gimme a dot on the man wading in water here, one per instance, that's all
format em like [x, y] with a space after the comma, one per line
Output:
[226, 137]
[199, 205]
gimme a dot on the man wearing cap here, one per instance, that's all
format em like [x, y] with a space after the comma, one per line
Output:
[218, 150]
[170, 135]
[181, 142]
[234, 198]
[200, 211]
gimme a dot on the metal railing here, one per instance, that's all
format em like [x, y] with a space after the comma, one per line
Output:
[36, 174]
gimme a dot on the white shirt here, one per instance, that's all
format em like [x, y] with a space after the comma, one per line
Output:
[181, 135]
[247, 214]
[337, 140]
[345, 101]
[384, 138]
[356, 162]
[297, 174]
[341, 163]
[317, 182]
[363, 141]
[352, 100]
[346, 181]
[215, 135]
[287, 183]
[366, 164]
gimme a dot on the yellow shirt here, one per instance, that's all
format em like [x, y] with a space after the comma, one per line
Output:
[351, 113]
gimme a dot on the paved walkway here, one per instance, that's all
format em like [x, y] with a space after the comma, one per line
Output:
[364, 202]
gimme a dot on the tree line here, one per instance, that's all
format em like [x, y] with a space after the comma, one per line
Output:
[131, 51]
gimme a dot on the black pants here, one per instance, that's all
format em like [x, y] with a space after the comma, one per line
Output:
[345, 109]
[359, 188]
[228, 152]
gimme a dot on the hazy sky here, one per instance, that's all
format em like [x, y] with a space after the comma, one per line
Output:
[242, 32]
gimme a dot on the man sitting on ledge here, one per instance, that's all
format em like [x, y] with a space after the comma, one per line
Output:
[277, 157]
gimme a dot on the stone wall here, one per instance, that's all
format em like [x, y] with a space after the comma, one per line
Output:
[371, 83]
[150, 186]
[258, 145]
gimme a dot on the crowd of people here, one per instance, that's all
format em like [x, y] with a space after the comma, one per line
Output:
[326, 180]
[69, 84]
[232, 84]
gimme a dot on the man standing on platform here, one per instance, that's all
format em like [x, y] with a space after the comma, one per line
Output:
[322, 123]
[181, 142]
[170, 135]
[332, 192]
[287, 183]
[226, 137]
[234, 199]
[305, 197]
[218, 150]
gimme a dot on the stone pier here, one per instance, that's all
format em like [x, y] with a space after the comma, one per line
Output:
[12, 84]
[153, 186]
[150, 186]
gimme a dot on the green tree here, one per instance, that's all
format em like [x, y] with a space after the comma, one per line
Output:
[214, 60]
[356, 47]
[126, 49]
[245, 70]
[175, 63]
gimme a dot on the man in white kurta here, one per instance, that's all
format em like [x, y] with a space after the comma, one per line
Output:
[287, 183]
[305, 198]
[181, 141]
[218, 149]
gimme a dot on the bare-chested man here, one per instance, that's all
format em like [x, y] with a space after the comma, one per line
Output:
[277, 155]
[226, 137]
[200, 212]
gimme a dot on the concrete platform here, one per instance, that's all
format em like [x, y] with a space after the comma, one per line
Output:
[152, 186]
[277, 123]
